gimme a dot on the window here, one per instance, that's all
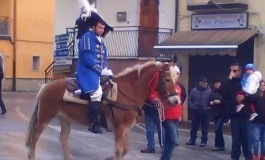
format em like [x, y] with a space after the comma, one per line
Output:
[36, 63]
[3, 26]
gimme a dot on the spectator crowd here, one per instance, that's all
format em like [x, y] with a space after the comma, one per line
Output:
[238, 99]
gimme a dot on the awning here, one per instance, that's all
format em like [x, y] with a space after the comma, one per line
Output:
[205, 42]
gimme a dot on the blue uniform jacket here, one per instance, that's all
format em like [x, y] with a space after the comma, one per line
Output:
[92, 59]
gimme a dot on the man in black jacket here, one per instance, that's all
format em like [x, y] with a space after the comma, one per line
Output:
[2, 105]
[239, 121]
[199, 105]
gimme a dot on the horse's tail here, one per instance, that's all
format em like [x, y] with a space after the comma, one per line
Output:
[33, 120]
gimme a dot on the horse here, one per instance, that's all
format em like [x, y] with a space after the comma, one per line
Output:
[134, 85]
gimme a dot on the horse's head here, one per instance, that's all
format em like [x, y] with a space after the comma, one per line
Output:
[136, 83]
[167, 79]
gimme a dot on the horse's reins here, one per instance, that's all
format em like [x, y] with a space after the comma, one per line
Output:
[128, 97]
[136, 108]
[119, 105]
[122, 106]
[112, 104]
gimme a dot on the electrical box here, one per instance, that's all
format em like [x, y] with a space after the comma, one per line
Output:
[121, 16]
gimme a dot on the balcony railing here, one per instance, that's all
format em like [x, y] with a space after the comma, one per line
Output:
[205, 2]
[217, 6]
[124, 42]
[135, 41]
[4, 30]
[128, 42]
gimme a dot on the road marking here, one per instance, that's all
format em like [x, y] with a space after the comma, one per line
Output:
[58, 128]
[140, 127]
[18, 111]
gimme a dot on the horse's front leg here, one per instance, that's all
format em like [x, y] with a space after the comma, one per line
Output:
[119, 135]
[64, 137]
[126, 141]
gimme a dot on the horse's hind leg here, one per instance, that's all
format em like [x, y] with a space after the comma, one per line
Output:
[64, 136]
[34, 138]
[36, 127]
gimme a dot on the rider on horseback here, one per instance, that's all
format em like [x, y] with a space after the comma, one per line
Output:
[92, 62]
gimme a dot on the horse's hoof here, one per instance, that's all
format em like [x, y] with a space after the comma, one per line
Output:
[31, 157]
[110, 158]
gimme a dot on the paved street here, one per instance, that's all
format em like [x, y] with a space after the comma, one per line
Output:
[84, 145]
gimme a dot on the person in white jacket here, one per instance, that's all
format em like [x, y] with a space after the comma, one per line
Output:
[250, 84]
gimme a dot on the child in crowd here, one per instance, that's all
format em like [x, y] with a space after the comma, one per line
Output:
[250, 84]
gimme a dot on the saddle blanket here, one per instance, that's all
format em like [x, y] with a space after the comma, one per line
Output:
[71, 97]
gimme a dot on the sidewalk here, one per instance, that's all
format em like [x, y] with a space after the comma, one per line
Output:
[187, 125]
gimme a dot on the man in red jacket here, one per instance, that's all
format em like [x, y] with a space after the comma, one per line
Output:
[172, 115]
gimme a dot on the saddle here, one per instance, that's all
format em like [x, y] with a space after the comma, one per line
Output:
[108, 86]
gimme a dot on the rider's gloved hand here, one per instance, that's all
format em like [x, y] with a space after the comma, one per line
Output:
[98, 69]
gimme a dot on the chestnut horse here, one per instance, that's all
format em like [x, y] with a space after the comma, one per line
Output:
[134, 85]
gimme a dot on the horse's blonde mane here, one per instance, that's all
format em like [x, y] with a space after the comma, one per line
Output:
[137, 67]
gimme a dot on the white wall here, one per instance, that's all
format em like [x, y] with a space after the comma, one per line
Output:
[66, 12]
[257, 20]
[108, 10]
[184, 17]
[167, 14]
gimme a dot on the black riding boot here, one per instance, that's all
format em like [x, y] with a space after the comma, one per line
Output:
[94, 112]
[3, 108]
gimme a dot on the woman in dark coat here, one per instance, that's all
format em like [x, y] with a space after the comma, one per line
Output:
[2, 105]
[220, 115]
[258, 124]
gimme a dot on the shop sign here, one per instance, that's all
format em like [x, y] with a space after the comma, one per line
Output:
[219, 21]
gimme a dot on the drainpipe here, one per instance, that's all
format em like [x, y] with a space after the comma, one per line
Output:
[175, 58]
[14, 46]
[176, 15]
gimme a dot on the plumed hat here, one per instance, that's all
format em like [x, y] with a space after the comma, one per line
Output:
[88, 18]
